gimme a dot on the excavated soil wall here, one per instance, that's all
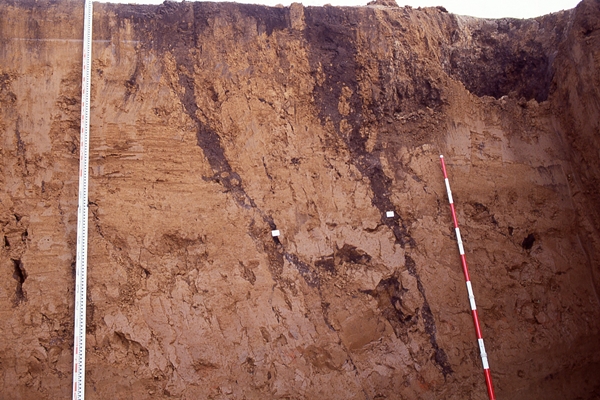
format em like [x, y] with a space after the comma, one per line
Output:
[214, 124]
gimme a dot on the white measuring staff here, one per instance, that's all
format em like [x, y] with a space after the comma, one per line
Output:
[82, 212]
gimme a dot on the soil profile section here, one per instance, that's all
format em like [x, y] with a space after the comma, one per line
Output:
[213, 125]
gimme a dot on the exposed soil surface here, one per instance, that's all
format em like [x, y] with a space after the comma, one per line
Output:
[214, 124]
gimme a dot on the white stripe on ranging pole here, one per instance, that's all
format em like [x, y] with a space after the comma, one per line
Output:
[82, 212]
[461, 250]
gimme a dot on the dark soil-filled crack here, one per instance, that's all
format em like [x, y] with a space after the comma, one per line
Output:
[181, 40]
[20, 276]
[440, 356]
[330, 38]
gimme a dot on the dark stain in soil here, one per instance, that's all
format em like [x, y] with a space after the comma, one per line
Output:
[175, 28]
[20, 275]
[528, 242]
[330, 34]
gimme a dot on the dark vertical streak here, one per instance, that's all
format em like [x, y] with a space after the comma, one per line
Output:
[176, 29]
[20, 275]
[330, 34]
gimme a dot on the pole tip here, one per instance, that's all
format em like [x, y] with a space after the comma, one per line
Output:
[441, 156]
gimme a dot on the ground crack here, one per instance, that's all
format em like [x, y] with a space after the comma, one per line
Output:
[340, 72]
[20, 276]
[210, 143]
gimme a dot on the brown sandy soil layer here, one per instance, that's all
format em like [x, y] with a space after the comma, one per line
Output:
[212, 124]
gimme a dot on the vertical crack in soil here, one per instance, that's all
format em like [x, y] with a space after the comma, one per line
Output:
[332, 51]
[20, 143]
[177, 29]
[440, 356]
[332, 55]
[20, 275]
[208, 140]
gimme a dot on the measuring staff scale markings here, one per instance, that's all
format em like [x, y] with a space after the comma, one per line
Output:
[82, 212]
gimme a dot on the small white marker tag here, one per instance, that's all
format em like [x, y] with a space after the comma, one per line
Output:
[389, 214]
[275, 233]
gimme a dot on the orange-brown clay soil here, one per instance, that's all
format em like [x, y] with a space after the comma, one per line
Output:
[213, 124]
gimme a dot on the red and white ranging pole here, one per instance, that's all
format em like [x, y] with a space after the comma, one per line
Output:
[461, 250]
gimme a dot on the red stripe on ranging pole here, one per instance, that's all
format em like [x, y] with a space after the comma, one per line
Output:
[477, 326]
[453, 214]
[463, 259]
